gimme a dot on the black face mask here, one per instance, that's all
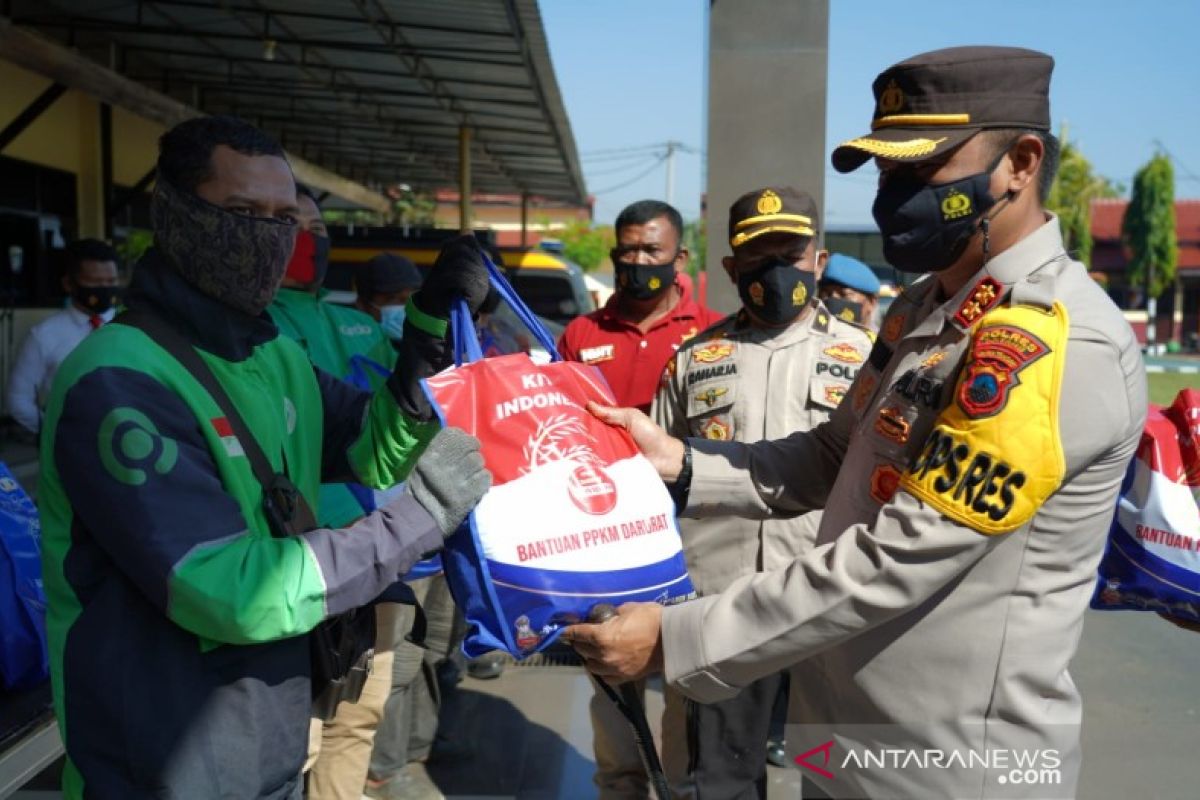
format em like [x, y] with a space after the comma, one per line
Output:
[644, 281]
[841, 308]
[95, 299]
[926, 228]
[776, 292]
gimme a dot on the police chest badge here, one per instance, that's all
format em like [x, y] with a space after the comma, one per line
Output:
[712, 353]
[716, 430]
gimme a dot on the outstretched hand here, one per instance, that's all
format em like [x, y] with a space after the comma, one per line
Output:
[662, 450]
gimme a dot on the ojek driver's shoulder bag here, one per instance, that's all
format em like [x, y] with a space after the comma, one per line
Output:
[341, 648]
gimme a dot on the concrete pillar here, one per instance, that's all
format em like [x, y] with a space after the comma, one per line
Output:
[89, 182]
[767, 65]
[524, 220]
[464, 179]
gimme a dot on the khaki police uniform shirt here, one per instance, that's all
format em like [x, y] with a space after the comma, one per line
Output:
[968, 483]
[739, 382]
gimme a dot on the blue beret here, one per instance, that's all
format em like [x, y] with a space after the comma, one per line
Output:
[852, 273]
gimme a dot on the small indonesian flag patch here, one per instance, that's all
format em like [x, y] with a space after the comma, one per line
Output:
[233, 447]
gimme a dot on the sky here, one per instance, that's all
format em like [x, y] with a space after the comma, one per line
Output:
[633, 76]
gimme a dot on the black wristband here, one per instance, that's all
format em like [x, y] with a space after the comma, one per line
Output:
[682, 487]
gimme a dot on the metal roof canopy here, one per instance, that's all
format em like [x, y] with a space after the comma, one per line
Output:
[374, 90]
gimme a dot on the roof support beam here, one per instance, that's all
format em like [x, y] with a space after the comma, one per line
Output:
[40, 55]
[30, 114]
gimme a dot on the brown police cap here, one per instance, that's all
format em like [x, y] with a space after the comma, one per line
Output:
[934, 102]
[772, 209]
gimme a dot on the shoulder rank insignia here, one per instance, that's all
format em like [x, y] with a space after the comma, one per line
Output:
[716, 430]
[712, 353]
[846, 353]
[834, 395]
[985, 295]
[711, 395]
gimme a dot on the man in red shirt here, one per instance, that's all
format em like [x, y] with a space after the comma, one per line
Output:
[649, 315]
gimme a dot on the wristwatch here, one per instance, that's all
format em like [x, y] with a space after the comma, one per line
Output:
[682, 487]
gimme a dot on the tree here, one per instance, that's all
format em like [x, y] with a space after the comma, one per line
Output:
[1149, 227]
[695, 236]
[585, 244]
[1071, 194]
[412, 208]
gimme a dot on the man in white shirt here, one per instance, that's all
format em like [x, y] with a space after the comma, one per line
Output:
[91, 284]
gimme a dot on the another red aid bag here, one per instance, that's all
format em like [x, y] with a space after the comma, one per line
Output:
[1152, 561]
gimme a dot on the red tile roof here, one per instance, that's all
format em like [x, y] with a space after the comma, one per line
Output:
[1106, 231]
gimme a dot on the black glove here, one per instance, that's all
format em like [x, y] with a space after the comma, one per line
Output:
[418, 355]
[458, 272]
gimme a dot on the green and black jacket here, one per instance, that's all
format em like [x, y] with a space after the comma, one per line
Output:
[176, 621]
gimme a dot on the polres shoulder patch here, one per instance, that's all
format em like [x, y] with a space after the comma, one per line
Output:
[995, 454]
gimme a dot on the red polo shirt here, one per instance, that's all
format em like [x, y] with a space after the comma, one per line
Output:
[631, 361]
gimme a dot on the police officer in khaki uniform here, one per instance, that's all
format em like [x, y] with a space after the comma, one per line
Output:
[968, 481]
[780, 364]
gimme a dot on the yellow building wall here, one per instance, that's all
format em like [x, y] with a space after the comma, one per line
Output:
[67, 137]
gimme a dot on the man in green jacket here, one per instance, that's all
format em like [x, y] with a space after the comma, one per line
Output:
[349, 344]
[342, 341]
[176, 620]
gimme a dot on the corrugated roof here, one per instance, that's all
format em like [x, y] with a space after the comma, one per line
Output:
[375, 90]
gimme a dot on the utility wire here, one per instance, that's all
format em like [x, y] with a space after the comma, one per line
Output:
[634, 179]
[612, 150]
[591, 173]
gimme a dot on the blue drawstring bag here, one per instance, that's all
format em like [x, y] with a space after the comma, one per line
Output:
[576, 515]
[23, 657]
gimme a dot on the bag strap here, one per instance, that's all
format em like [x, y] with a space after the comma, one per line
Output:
[169, 339]
[465, 340]
[510, 296]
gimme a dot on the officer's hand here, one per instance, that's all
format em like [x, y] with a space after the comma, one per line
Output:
[664, 451]
[458, 272]
[624, 648]
[449, 478]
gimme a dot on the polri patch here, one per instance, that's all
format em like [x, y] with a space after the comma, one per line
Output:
[995, 455]
[998, 355]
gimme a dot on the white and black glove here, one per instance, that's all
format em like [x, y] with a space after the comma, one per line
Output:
[449, 478]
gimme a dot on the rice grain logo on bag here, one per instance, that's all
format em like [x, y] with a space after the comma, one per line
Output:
[576, 516]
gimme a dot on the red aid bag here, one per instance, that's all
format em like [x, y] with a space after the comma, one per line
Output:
[1152, 561]
[576, 516]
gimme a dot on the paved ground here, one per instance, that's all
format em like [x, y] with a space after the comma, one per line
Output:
[1137, 675]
